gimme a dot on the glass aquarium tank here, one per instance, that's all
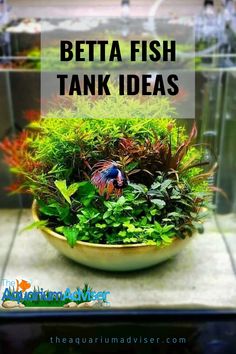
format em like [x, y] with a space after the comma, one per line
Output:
[207, 266]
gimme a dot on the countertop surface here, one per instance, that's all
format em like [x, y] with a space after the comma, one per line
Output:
[202, 276]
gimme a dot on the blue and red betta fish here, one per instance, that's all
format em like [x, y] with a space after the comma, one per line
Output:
[107, 177]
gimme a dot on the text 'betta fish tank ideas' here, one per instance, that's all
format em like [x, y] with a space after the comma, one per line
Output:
[122, 180]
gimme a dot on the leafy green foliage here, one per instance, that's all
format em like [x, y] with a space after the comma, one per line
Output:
[155, 215]
[112, 106]
[35, 225]
[71, 234]
[166, 190]
[60, 212]
[66, 192]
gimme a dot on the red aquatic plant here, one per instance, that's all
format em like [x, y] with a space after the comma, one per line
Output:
[147, 159]
[17, 155]
[32, 115]
[15, 187]
[14, 150]
[159, 155]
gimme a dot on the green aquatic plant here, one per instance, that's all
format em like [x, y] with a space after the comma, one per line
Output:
[159, 184]
[111, 181]
[154, 215]
[113, 106]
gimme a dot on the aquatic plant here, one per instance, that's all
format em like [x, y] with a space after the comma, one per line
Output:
[111, 181]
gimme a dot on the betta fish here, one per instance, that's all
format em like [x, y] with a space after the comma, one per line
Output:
[107, 176]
